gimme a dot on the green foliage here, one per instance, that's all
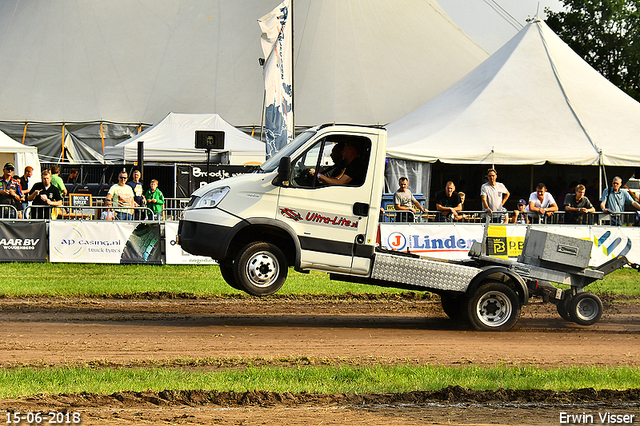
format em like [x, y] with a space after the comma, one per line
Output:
[344, 379]
[606, 34]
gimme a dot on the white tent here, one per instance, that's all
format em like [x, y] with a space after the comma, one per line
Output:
[534, 100]
[20, 155]
[173, 140]
[122, 62]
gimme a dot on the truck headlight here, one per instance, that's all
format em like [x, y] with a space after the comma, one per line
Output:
[211, 198]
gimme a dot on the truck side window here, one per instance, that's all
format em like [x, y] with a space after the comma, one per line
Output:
[304, 167]
[327, 156]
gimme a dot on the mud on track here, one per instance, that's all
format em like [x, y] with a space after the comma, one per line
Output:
[292, 331]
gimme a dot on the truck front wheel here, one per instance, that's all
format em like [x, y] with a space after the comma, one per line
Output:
[494, 306]
[260, 268]
[226, 270]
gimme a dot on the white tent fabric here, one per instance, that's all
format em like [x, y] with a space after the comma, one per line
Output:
[21, 156]
[534, 100]
[172, 140]
[134, 61]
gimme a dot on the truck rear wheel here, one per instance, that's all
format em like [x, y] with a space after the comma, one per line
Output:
[585, 308]
[563, 308]
[454, 307]
[260, 268]
[494, 306]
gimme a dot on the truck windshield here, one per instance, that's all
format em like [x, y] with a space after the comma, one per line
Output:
[272, 163]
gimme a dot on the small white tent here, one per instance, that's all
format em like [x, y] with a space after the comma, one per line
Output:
[20, 155]
[172, 140]
[534, 100]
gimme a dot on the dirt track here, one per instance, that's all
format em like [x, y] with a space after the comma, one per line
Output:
[383, 330]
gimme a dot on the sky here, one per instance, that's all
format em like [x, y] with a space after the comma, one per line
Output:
[486, 26]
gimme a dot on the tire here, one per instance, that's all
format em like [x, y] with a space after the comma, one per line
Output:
[226, 270]
[494, 306]
[563, 308]
[454, 307]
[585, 308]
[260, 269]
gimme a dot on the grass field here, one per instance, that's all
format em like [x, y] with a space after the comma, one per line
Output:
[101, 280]
[344, 379]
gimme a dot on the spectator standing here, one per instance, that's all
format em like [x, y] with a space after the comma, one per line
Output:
[138, 193]
[108, 214]
[402, 199]
[121, 195]
[155, 199]
[448, 203]
[56, 180]
[614, 199]
[542, 205]
[25, 183]
[10, 194]
[463, 196]
[520, 214]
[493, 195]
[44, 195]
[576, 206]
[73, 176]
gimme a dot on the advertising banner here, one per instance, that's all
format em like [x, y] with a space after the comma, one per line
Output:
[23, 242]
[105, 242]
[174, 253]
[192, 177]
[447, 241]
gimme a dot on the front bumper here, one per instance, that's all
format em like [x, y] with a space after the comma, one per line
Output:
[203, 239]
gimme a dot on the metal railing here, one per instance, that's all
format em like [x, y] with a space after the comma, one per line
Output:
[470, 216]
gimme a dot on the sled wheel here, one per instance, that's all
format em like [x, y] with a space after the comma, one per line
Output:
[563, 308]
[494, 306]
[260, 269]
[226, 270]
[454, 307]
[585, 308]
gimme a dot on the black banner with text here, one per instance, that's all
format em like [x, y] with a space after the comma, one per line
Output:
[23, 242]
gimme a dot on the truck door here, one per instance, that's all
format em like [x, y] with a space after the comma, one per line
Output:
[331, 221]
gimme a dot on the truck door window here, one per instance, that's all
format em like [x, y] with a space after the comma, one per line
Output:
[304, 167]
[326, 156]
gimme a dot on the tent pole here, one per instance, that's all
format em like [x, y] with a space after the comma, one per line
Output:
[293, 74]
[62, 150]
[102, 137]
[24, 133]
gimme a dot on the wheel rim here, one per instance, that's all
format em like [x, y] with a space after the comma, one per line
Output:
[494, 309]
[262, 269]
[587, 309]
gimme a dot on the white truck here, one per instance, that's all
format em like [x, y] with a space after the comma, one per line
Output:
[258, 225]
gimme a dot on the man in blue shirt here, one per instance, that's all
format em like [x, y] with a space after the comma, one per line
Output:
[614, 199]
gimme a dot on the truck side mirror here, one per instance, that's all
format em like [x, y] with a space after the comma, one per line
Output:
[284, 172]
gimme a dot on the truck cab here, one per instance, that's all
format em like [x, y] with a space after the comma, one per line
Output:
[259, 224]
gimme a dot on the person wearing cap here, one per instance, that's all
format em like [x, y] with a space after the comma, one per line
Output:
[520, 214]
[10, 193]
[576, 206]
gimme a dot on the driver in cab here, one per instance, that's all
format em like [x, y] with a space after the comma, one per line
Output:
[354, 171]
